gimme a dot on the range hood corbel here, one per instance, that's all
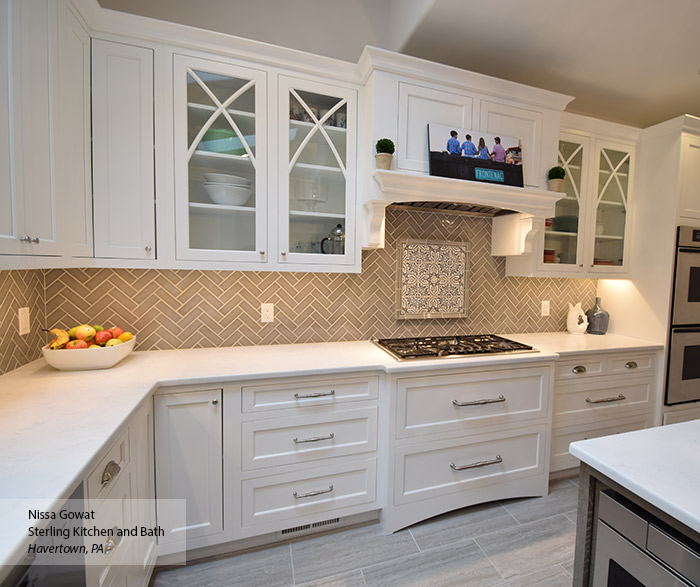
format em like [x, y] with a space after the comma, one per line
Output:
[513, 233]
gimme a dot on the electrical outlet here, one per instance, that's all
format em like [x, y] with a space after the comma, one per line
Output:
[23, 316]
[267, 312]
[545, 308]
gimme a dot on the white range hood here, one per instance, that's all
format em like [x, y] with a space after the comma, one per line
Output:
[512, 233]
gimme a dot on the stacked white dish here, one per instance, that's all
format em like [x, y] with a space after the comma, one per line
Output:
[228, 190]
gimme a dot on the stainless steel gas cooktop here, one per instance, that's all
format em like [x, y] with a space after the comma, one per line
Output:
[431, 347]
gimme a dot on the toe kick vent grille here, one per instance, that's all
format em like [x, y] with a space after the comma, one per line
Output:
[309, 527]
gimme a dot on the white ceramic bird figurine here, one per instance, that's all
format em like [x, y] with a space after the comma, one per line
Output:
[576, 320]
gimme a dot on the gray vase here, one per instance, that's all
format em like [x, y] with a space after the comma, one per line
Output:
[598, 319]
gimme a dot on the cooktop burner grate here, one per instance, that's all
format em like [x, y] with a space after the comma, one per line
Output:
[431, 347]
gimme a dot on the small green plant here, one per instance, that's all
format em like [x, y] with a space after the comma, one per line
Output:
[385, 146]
[556, 173]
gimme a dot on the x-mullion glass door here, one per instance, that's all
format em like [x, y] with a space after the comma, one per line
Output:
[220, 161]
[316, 173]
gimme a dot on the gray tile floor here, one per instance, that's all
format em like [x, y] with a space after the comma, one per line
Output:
[512, 543]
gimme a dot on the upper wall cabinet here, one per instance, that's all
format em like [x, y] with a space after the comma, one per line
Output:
[690, 178]
[45, 203]
[317, 173]
[220, 161]
[124, 190]
[588, 236]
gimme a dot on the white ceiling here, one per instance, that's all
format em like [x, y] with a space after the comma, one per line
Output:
[629, 61]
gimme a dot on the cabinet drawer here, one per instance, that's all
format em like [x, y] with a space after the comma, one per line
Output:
[601, 398]
[290, 393]
[302, 493]
[108, 470]
[113, 513]
[630, 364]
[580, 368]
[299, 439]
[562, 437]
[456, 465]
[428, 405]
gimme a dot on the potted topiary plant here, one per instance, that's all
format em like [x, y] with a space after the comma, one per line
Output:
[555, 177]
[385, 152]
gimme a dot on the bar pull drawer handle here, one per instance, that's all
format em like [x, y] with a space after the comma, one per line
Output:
[314, 439]
[479, 402]
[631, 365]
[315, 394]
[312, 493]
[606, 400]
[111, 471]
[495, 461]
[578, 370]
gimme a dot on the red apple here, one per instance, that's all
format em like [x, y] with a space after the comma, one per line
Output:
[102, 336]
[76, 344]
[116, 331]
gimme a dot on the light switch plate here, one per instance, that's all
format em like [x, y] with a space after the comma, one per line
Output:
[23, 317]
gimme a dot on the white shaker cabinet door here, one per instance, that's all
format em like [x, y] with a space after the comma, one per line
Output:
[189, 464]
[690, 178]
[11, 205]
[123, 167]
[519, 123]
[420, 106]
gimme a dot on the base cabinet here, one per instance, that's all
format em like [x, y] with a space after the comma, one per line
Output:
[188, 454]
[464, 437]
[599, 395]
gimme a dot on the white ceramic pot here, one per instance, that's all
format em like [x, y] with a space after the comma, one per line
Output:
[556, 185]
[383, 160]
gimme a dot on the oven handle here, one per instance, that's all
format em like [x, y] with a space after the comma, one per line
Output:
[684, 330]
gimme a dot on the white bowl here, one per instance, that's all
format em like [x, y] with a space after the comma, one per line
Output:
[224, 178]
[86, 359]
[228, 195]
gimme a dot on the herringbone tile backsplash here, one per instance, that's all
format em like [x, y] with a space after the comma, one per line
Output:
[183, 309]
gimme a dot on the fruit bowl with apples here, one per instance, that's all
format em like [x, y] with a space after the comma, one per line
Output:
[92, 347]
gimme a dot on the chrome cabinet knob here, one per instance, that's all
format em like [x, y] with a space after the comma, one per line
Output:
[148, 249]
[215, 402]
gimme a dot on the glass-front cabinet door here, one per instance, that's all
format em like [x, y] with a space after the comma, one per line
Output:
[316, 173]
[564, 232]
[220, 161]
[610, 220]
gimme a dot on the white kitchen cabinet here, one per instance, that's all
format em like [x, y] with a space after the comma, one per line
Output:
[597, 395]
[46, 200]
[144, 512]
[690, 178]
[317, 173]
[120, 490]
[589, 235]
[220, 128]
[464, 437]
[72, 165]
[123, 175]
[419, 106]
[302, 450]
[45, 169]
[188, 453]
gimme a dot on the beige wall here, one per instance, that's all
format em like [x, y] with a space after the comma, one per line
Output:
[183, 309]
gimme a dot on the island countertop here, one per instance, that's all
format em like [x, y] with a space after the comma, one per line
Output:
[661, 465]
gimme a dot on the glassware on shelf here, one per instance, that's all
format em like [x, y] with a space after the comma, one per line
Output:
[310, 192]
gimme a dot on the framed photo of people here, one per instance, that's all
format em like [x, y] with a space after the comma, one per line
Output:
[473, 155]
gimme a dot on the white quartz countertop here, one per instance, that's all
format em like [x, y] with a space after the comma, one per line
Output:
[661, 465]
[53, 424]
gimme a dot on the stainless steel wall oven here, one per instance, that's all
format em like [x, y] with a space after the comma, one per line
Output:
[683, 373]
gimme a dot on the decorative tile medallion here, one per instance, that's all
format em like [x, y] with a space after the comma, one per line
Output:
[432, 279]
